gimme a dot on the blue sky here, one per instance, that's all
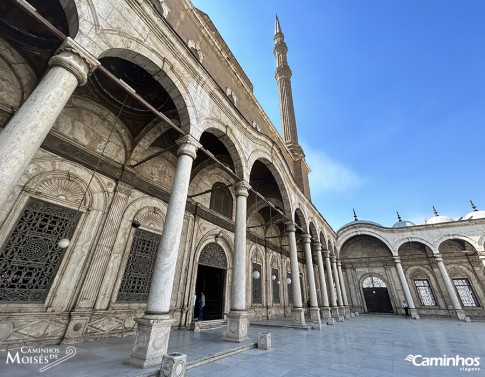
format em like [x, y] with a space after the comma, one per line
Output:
[389, 98]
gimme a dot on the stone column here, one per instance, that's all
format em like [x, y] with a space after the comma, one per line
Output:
[333, 298]
[405, 287]
[340, 301]
[314, 311]
[151, 341]
[298, 312]
[24, 134]
[237, 318]
[317, 248]
[449, 287]
[343, 289]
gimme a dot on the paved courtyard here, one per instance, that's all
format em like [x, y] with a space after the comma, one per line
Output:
[368, 345]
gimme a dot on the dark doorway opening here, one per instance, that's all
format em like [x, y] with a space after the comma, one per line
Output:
[377, 300]
[210, 280]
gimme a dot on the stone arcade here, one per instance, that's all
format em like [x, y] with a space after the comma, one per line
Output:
[129, 130]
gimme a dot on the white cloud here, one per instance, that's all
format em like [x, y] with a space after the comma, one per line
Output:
[329, 175]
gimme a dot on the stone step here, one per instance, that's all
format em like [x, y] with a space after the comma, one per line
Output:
[207, 325]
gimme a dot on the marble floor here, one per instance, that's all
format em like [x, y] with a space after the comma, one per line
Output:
[365, 346]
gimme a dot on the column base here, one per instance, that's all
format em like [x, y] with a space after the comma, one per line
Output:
[462, 316]
[326, 313]
[151, 341]
[414, 313]
[237, 327]
[315, 314]
[334, 312]
[298, 315]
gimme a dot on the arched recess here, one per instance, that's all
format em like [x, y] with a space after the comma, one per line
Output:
[56, 199]
[375, 293]
[365, 248]
[257, 283]
[424, 287]
[212, 280]
[208, 178]
[346, 235]
[468, 286]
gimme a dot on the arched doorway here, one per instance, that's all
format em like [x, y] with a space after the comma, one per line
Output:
[376, 295]
[211, 279]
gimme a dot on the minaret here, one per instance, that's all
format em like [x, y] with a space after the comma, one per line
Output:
[283, 77]
[287, 111]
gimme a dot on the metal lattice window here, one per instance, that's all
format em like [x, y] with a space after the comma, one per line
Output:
[221, 200]
[257, 297]
[135, 285]
[276, 286]
[425, 293]
[289, 289]
[465, 291]
[30, 257]
[373, 282]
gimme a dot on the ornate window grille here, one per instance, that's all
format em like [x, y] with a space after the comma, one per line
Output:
[30, 257]
[135, 284]
[257, 297]
[221, 200]
[465, 291]
[425, 293]
[275, 286]
[373, 282]
[289, 288]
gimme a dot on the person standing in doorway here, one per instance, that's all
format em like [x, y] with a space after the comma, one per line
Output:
[201, 305]
[406, 307]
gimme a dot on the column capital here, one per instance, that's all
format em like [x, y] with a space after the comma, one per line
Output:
[333, 258]
[242, 188]
[438, 257]
[397, 259]
[326, 253]
[317, 247]
[339, 263]
[74, 58]
[306, 238]
[290, 226]
[188, 145]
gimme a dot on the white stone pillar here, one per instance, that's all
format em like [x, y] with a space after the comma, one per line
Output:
[317, 248]
[237, 318]
[314, 311]
[449, 287]
[405, 287]
[333, 297]
[24, 134]
[340, 302]
[298, 312]
[344, 291]
[151, 341]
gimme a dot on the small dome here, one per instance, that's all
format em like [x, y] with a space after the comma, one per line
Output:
[438, 219]
[474, 215]
[403, 224]
[355, 222]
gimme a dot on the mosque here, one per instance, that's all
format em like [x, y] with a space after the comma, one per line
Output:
[138, 170]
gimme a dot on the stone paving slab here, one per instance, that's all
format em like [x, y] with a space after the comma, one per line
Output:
[364, 346]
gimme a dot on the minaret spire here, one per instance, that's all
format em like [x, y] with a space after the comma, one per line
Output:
[283, 78]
